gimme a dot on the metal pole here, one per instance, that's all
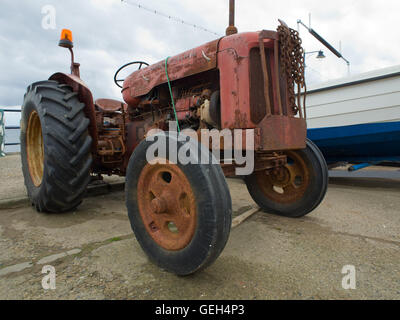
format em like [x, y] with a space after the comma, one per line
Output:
[231, 12]
[324, 42]
[231, 29]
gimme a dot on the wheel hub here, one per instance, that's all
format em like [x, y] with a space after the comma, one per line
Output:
[167, 205]
[281, 177]
[286, 184]
[35, 149]
[158, 205]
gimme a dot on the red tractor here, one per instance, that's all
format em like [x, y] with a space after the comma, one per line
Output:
[180, 213]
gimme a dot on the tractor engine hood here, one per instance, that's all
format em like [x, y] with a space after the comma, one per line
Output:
[191, 62]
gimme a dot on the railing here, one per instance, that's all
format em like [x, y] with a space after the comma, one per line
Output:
[12, 127]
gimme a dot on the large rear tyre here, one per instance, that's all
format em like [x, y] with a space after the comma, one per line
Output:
[294, 190]
[181, 215]
[55, 147]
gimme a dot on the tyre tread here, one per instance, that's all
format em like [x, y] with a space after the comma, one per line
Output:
[67, 147]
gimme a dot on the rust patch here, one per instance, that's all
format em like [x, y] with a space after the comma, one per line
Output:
[189, 63]
[240, 120]
[167, 205]
[286, 184]
[262, 162]
[283, 133]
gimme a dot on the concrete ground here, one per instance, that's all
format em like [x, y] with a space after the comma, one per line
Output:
[96, 256]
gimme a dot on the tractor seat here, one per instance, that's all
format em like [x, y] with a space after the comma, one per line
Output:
[110, 105]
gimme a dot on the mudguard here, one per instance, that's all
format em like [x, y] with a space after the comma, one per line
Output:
[86, 97]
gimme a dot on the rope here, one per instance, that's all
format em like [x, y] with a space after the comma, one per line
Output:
[170, 92]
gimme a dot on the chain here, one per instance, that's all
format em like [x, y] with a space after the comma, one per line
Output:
[292, 62]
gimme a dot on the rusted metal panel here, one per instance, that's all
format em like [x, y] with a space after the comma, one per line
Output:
[266, 77]
[235, 143]
[283, 133]
[258, 108]
[277, 76]
[191, 62]
[235, 73]
[268, 34]
[262, 163]
[110, 105]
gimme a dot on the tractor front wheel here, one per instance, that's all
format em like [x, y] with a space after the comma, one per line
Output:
[293, 190]
[180, 214]
[55, 147]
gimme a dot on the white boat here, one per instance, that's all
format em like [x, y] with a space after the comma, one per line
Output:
[357, 119]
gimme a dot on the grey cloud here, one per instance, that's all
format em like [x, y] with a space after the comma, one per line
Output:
[108, 34]
[105, 37]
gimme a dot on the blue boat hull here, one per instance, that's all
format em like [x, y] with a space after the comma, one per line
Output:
[374, 142]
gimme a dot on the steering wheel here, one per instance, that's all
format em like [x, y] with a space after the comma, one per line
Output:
[117, 81]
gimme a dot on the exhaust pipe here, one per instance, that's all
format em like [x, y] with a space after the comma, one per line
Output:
[231, 29]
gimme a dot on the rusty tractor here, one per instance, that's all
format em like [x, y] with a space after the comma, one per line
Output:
[179, 213]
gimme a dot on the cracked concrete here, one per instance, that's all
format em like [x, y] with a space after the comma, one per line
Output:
[267, 257]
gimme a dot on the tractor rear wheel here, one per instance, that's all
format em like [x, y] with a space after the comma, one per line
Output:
[295, 189]
[181, 215]
[55, 147]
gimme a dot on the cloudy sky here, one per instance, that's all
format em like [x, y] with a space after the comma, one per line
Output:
[108, 33]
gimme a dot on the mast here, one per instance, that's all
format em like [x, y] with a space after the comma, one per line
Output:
[231, 29]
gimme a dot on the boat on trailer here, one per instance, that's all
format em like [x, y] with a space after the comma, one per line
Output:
[357, 119]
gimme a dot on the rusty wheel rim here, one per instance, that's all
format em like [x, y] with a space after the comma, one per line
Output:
[167, 205]
[35, 149]
[287, 184]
